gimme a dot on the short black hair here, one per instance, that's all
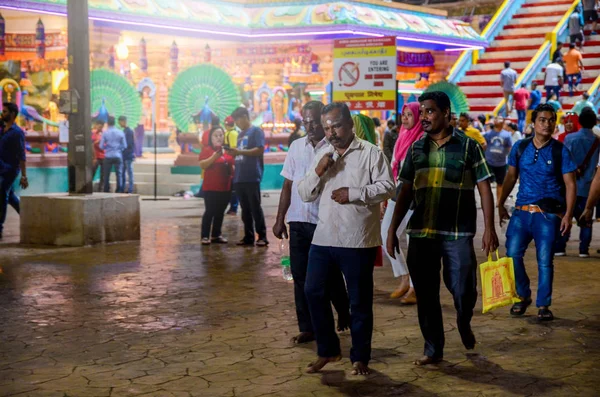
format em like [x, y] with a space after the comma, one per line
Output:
[513, 126]
[587, 118]
[523, 85]
[452, 114]
[506, 64]
[122, 118]
[110, 121]
[586, 96]
[210, 133]
[440, 98]
[240, 112]
[377, 122]
[391, 123]
[572, 45]
[534, 85]
[12, 108]
[559, 43]
[544, 107]
[215, 121]
[466, 116]
[313, 105]
[481, 118]
[346, 115]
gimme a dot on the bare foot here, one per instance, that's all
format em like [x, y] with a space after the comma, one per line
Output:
[343, 322]
[410, 298]
[320, 363]
[426, 360]
[402, 288]
[360, 369]
[303, 337]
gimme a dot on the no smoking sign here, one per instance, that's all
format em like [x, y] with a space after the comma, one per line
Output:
[349, 74]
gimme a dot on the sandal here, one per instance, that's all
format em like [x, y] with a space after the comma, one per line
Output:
[544, 314]
[205, 241]
[262, 243]
[519, 308]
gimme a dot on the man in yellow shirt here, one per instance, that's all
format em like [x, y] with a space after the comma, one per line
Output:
[464, 123]
[574, 66]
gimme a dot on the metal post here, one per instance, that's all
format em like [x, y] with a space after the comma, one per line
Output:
[80, 139]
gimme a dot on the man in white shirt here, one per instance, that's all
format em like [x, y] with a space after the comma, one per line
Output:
[508, 79]
[351, 177]
[553, 81]
[302, 218]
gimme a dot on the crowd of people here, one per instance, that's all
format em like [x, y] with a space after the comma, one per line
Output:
[114, 149]
[335, 183]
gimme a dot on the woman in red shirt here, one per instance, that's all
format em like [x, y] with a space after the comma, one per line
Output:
[216, 185]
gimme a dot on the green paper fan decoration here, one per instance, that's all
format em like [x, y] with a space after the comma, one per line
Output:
[199, 91]
[458, 99]
[113, 93]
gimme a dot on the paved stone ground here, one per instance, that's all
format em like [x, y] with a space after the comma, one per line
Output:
[167, 317]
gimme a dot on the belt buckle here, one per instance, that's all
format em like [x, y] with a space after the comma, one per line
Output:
[533, 209]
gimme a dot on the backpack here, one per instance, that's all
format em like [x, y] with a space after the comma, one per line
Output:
[548, 205]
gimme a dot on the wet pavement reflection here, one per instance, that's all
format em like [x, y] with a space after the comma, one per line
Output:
[166, 316]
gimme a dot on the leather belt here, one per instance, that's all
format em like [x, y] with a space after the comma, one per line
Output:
[529, 208]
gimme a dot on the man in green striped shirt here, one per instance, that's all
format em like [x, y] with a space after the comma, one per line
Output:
[439, 176]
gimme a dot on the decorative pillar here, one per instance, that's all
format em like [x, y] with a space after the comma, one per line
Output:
[174, 57]
[2, 35]
[207, 54]
[143, 56]
[40, 40]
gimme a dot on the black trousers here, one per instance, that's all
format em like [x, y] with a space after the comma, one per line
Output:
[460, 265]
[215, 204]
[252, 214]
[357, 266]
[301, 235]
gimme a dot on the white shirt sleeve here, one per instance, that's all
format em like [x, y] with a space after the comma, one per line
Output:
[310, 186]
[382, 183]
[289, 165]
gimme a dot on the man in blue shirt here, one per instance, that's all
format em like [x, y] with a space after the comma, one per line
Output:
[249, 165]
[128, 154]
[499, 142]
[12, 160]
[113, 142]
[580, 144]
[544, 207]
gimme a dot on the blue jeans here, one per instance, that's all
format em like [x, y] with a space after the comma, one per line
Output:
[7, 196]
[234, 202]
[425, 257]
[108, 167]
[570, 78]
[521, 116]
[585, 233]
[357, 266]
[544, 229]
[127, 172]
[550, 89]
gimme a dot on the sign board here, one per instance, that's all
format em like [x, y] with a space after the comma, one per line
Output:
[68, 102]
[364, 73]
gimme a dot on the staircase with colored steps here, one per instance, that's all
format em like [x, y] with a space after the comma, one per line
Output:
[518, 42]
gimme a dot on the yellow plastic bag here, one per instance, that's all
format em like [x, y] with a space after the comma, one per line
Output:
[497, 283]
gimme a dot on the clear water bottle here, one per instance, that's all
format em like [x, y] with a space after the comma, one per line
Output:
[284, 251]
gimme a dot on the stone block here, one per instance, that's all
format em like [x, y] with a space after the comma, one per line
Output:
[64, 220]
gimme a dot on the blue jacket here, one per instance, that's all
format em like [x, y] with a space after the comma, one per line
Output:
[12, 150]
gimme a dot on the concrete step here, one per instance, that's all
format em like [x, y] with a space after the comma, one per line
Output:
[165, 178]
[532, 15]
[535, 23]
[542, 8]
[147, 189]
[499, 65]
[516, 43]
[540, 3]
[507, 53]
[149, 167]
[482, 90]
[536, 29]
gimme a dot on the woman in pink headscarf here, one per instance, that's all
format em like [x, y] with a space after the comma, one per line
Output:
[410, 131]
